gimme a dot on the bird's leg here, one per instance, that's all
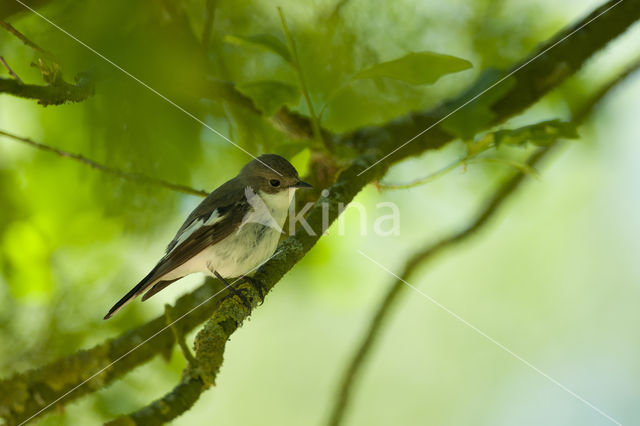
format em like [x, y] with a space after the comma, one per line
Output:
[257, 285]
[233, 291]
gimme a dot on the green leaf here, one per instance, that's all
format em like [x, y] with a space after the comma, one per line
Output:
[416, 68]
[523, 167]
[270, 95]
[539, 134]
[265, 41]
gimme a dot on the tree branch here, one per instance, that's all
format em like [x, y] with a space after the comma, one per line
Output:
[501, 195]
[11, 72]
[373, 142]
[23, 395]
[9, 8]
[529, 84]
[57, 91]
[48, 95]
[136, 177]
[7, 26]
[292, 124]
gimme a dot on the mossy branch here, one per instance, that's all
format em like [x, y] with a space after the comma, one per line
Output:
[540, 75]
[57, 91]
[50, 94]
[23, 395]
[7, 26]
[373, 143]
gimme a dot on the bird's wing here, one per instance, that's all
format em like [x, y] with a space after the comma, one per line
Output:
[220, 214]
[213, 207]
[205, 232]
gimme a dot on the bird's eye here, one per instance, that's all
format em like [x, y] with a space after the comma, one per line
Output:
[274, 182]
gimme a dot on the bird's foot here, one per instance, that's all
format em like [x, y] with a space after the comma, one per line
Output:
[233, 292]
[257, 285]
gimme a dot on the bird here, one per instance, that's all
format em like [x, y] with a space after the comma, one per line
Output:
[231, 232]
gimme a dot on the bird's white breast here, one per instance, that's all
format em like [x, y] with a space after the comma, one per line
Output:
[245, 249]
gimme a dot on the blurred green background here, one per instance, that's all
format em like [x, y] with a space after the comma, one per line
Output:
[555, 278]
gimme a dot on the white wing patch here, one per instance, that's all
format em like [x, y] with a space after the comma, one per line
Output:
[194, 226]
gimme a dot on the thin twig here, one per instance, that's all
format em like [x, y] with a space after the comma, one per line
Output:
[472, 156]
[179, 336]
[137, 177]
[303, 85]
[57, 91]
[523, 167]
[11, 72]
[423, 180]
[7, 26]
[52, 94]
[209, 16]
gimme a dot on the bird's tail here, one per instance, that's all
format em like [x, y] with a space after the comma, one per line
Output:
[133, 293]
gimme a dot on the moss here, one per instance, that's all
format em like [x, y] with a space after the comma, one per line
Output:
[70, 371]
[14, 393]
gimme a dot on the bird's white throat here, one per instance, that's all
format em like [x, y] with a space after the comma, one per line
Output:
[278, 203]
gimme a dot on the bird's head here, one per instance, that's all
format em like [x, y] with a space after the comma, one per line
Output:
[271, 174]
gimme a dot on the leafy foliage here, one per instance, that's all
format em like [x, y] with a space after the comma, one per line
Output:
[539, 134]
[416, 68]
[270, 95]
[265, 41]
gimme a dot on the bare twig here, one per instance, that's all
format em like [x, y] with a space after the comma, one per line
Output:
[137, 177]
[11, 72]
[178, 336]
[585, 109]
[209, 16]
[7, 26]
[57, 91]
[49, 382]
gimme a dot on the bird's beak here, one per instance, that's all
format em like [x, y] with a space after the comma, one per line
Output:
[301, 184]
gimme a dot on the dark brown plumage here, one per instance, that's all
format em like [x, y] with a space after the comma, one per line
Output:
[268, 174]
